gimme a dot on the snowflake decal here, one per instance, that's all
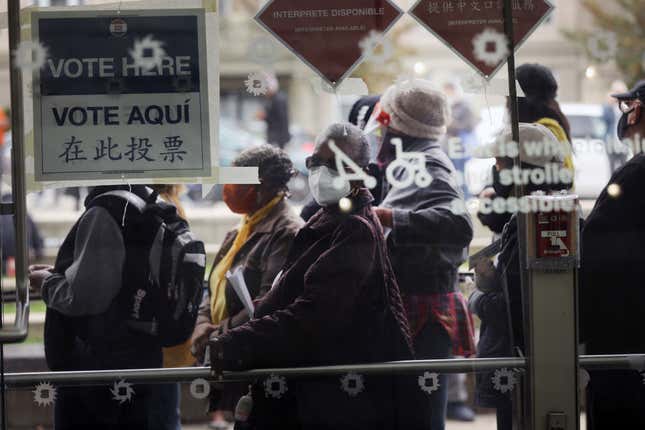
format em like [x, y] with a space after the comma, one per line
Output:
[429, 382]
[275, 386]
[262, 51]
[370, 44]
[148, 53]
[30, 56]
[353, 384]
[504, 380]
[256, 84]
[490, 47]
[122, 391]
[602, 45]
[44, 394]
[200, 388]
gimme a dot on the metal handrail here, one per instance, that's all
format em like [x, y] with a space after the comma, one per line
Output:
[18, 331]
[613, 362]
[187, 374]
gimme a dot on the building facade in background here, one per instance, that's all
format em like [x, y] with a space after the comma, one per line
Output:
[416, 51]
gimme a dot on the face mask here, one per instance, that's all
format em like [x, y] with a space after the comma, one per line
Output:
[622, 127]
[241, 199]
[629, 120]
[323, 186]
[501, 190]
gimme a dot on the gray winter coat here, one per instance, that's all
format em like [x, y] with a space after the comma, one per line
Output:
[428, 241]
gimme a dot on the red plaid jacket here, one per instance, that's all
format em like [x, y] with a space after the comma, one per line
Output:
[451, 311]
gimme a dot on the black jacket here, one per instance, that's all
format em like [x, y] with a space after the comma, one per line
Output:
[85, 325]
[499, 308]
[277, 120]
[611, 293]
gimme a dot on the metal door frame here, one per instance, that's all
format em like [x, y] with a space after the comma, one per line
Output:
[17, 332]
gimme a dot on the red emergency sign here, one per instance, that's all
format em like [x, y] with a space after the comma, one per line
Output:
[553, 235]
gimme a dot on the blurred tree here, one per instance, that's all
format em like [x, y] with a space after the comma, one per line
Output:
[619, 27]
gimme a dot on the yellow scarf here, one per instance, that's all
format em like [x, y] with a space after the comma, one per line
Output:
[217, 281]
[561, 135]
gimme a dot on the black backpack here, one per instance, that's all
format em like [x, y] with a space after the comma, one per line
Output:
[164, 267]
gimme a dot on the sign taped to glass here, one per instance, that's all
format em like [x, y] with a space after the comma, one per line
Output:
[122, 96]
[474, 30]
[327, 35]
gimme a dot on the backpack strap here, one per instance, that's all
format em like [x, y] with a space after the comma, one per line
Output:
[152, 198]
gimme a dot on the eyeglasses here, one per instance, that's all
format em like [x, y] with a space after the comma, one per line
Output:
[628, 106]
[314, 161]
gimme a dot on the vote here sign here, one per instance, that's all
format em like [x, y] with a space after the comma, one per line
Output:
[121, 95]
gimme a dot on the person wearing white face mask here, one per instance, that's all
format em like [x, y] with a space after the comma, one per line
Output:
[322, 185]
[327, 185]
[336, 301]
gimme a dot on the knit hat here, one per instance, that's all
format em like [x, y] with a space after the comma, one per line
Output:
[416, 109]
[537, 82]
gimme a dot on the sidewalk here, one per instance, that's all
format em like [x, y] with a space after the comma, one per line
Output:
[483, 422]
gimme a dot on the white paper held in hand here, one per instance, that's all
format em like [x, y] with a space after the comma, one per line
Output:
[236, 278]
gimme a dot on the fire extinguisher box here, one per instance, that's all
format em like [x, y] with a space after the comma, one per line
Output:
[553, 228]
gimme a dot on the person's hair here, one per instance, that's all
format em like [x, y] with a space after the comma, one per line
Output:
[275, 168]
[170, 193]
[349, 139]
[540, 89]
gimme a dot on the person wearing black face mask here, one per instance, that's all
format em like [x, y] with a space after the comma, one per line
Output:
[497, 299]
[611, 297]
[631, 104]
[538, 106]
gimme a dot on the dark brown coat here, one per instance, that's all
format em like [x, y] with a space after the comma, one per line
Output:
[336, 302]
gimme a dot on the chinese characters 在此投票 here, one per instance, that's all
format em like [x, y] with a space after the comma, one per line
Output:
[170, 150]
